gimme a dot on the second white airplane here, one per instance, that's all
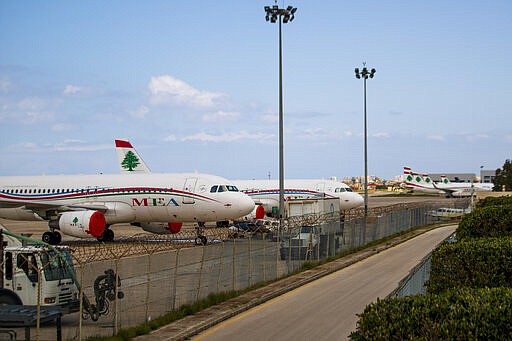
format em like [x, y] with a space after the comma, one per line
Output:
[265, 193]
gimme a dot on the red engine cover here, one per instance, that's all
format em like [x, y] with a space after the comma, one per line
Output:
[97, 224]
[175, 227]
[260, 212]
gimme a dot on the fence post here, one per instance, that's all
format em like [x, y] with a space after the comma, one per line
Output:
[233, 272]
[175, 280]
[220, 266]
[116, 301]
[200, 274]
[148, 277]
[249, 265]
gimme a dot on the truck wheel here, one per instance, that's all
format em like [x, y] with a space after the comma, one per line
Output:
[7, 298]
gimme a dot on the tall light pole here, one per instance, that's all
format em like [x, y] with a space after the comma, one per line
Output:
[272, 14]
[364, 74]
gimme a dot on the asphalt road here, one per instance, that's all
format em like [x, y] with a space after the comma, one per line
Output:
[326, 309]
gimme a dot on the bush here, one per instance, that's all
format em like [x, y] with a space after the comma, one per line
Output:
[477, 263]
[489, 221]
[494, 201]
[460, 314]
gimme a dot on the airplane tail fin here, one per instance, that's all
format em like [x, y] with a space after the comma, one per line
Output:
[445, 180]
[427, 179]
[410, 176]
[129, 160]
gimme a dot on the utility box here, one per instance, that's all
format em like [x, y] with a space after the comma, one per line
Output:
[312, 239]
[321, 206]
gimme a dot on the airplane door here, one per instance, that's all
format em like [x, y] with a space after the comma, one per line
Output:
[190, 185]
[320, 187]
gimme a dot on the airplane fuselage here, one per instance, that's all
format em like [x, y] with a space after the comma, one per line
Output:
[135, 198]
[266, 192]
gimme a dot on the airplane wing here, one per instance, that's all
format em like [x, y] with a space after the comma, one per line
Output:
[37, 206]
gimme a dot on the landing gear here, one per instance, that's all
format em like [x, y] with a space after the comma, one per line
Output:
[107, 236]
[52, 237]
[200, 239]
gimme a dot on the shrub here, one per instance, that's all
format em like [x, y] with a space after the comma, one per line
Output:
[494, 201]
[489, 221]
[477, 263]
[459, 314]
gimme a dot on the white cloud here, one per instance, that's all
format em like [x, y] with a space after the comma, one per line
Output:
[170, 138]
[5, 84]
[63, 127]
[169, 90]
[270, 118]
[141, 112]
[220, 116]
[229, 137]
[381, 135]
[63, 147]
[22, 145]
[436, 137]
[72, 90]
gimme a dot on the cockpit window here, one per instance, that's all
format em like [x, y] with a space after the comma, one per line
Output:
[223, 188]
[340, 189]
[349, 189]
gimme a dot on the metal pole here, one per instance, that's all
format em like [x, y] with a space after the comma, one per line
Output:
[281, 148]
[365, 167]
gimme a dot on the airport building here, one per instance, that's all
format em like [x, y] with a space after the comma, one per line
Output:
[455, 177]
[486, 176]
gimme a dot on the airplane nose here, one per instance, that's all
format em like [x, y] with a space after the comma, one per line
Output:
[351, 200]
[245, 204]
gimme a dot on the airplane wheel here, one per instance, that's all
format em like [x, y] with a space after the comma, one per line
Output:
[57, 238]
[109, 235]
[48, 237]
[199, 240]
[204, 240]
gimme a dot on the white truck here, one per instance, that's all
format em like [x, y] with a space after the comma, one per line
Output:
[44, 274]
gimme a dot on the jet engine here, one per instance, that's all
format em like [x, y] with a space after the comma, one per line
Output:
[160, 228]
[81, 224]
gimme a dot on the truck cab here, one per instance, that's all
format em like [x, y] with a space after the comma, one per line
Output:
[29, 272]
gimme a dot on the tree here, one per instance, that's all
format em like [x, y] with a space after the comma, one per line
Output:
[130, 161]
[503, 177]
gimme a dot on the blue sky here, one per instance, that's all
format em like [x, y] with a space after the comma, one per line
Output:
[194, 86]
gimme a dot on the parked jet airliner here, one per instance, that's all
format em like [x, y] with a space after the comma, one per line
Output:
[425, 184]
[86, 205]
[265, 193]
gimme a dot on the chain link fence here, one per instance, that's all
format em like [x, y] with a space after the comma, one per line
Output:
[137, 279]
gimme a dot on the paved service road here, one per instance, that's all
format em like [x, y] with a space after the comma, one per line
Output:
[326, 309]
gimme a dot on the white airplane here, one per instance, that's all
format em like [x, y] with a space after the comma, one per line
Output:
[265, 193]
[456, 189]
[418, 183]
[85, 206]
